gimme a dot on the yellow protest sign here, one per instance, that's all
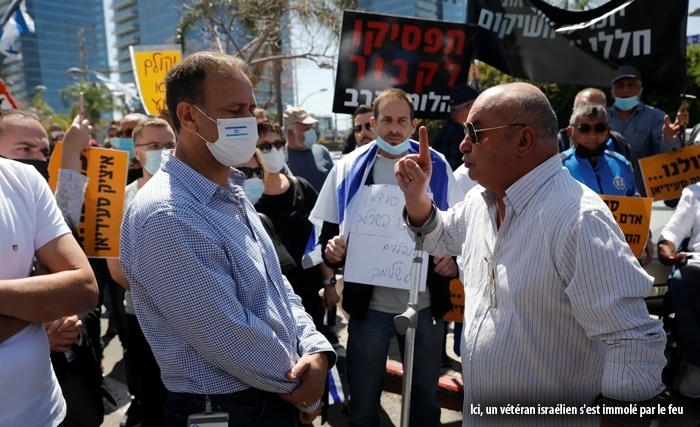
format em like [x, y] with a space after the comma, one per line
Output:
[103, 206]
[456, 313]
[150, 64]
[633, 215]
[666, 175]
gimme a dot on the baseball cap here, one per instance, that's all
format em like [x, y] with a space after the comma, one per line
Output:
[297, 115]
[627, 71]
[461, 95]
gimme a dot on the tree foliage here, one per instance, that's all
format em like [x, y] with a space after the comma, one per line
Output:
[97, 99]
[46, 114]
[254, 29]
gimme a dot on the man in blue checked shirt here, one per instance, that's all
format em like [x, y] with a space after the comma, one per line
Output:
[225, 326]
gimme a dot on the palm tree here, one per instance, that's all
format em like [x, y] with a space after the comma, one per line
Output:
[97, 98]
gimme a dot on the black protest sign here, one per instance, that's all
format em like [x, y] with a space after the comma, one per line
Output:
[424, 58]
[520, 39]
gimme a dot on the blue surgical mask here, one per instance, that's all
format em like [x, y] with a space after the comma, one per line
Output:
[153, 159]
[125, 144]
[393, 150]
[254, 188]
[626, 104]
[310, 138]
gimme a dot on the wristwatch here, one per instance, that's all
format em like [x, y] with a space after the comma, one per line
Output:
[330, 282]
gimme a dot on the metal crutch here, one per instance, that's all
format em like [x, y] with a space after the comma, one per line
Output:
[407, 321]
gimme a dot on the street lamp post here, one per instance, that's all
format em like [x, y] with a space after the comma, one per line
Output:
[312, 94]
[330, 66]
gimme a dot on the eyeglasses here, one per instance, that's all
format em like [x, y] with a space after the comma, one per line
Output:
[157, 145]
[358, 128]
[598, 127]
[266, 147]
[473, 133]
[126, 134]
[251, 172]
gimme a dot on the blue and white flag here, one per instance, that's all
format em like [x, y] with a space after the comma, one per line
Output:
[19, 24]
[127, 90]
[350, 173]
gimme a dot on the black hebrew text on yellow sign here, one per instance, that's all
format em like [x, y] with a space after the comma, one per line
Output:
[666, 175]
[103, 205]
[633, 215]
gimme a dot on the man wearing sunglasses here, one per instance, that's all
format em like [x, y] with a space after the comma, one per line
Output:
[616, 142]
[592, 163]
[590, 160]
[556, 309]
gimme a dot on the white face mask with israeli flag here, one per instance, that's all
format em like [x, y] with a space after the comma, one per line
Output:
[237, 141]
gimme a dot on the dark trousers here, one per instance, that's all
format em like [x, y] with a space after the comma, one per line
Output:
[246, 408]
[83, 398]
[116, 296]
[684, 287]
[145, 367]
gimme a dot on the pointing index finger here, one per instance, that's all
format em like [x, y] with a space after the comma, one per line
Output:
[424, 146]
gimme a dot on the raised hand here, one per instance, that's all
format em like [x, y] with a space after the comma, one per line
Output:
[413, 171]
[670, 131]
[75, 141]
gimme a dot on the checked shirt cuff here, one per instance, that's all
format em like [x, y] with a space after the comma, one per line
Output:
[311, 409]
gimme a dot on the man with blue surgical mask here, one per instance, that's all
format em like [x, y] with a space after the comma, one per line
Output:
[647, 130]
[151, 138]
[371, 306]
[305, 157]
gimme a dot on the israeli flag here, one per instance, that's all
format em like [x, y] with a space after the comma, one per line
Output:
[19, 24]
[350, 173]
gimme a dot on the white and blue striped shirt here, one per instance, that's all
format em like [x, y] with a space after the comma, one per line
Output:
[554, 301]
[208, 290]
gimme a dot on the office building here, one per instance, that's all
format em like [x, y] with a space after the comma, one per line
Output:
[153, 22]
[442, 10]
[68, 35]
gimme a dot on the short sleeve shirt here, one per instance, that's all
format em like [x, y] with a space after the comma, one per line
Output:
[29, 218]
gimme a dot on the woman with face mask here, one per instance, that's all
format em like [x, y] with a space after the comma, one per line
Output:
[286, 201]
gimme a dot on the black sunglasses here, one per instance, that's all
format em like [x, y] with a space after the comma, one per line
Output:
[266, 147]
[473, 133]
[250, 172]
[126, 134]
[358, 128]
[598, 127]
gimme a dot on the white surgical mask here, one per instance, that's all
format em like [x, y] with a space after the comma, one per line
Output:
[310, 138]
[153, 159]
[237, 140]
[55, 133]
[254, 188]
[274, 160]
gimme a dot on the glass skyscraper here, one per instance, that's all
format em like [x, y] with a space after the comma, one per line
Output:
[68, 34]
[153, 22]
[443, 10]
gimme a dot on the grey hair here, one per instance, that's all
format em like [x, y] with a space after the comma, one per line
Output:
[534, 110]
[136, 116]
[593, 91]
[589, 111]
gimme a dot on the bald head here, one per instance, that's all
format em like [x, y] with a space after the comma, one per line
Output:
[129, 123]
[590, 96]
[526, 104]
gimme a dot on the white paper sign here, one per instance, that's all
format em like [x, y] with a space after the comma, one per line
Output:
[380, 251]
